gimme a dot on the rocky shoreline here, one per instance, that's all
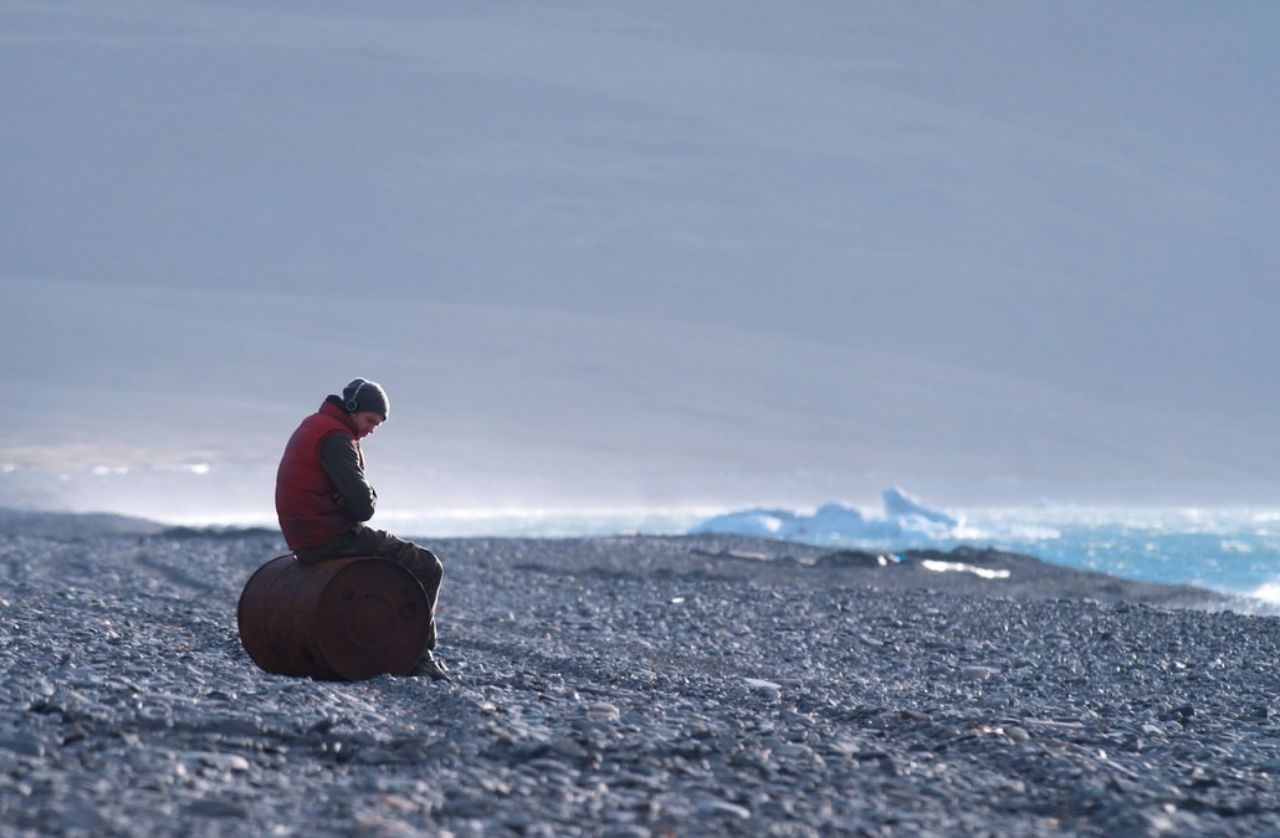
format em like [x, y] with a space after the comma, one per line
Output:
[637, 686]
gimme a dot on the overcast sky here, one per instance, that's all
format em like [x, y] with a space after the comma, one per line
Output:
[710, 252]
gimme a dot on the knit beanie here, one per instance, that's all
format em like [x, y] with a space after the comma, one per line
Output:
[362, 394]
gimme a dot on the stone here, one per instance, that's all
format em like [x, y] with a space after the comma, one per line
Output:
[222, 762]
[722, 807]
[23, 744]
[602, 711]
[216, 808]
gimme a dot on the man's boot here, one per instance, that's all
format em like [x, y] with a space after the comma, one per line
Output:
[432, 668]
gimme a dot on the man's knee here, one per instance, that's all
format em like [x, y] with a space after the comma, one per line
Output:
[423, 563]
[419, 561]
[429, 564]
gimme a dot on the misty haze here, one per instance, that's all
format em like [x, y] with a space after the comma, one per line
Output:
[680, 258]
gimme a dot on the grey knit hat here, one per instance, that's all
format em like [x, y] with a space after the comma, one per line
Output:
[362, 394]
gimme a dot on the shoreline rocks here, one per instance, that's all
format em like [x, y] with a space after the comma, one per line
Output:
[636, 686]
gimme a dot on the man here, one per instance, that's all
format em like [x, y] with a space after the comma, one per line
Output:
[323, 498]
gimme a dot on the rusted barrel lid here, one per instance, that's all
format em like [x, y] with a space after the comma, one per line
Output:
[345, 619]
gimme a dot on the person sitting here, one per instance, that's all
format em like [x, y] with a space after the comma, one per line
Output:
[323, 498]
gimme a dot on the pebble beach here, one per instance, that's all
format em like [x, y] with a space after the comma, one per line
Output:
[635, 686]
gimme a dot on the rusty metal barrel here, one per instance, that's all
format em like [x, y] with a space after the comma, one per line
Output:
[342, 619]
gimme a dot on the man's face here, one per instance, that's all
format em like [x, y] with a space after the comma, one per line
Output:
[365, 421]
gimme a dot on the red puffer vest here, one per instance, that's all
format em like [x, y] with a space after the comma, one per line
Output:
[306, 499]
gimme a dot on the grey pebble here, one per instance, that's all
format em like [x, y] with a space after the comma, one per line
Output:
[723, 807]
[215, 808]
[23, 744]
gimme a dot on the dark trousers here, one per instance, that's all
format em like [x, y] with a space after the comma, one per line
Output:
[366, 541]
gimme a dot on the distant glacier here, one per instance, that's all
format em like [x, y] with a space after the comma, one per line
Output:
[833, 523]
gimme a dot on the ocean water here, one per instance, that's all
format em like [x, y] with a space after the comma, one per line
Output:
[1235, 550]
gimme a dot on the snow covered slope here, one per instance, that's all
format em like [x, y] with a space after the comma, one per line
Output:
[639, 253]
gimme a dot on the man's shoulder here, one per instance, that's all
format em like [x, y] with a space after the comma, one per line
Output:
[323, 420]
[317, 429]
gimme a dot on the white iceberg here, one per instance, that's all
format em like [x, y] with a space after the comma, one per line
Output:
[833, 523]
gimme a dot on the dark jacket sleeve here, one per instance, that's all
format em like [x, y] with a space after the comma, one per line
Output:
[342, 464]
